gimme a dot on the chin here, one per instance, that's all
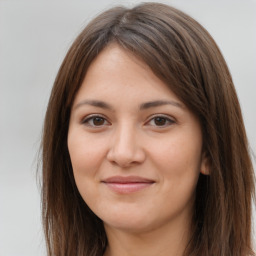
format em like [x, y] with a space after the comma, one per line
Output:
[130, 223]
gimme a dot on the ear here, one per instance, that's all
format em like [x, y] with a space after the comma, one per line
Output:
[205, 164]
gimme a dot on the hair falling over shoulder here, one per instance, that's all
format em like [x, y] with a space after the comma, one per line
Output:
[183, 55]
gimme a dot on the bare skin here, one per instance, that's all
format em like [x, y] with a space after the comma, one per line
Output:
[136, 152]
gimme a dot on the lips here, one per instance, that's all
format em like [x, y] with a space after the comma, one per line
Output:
[129, 184]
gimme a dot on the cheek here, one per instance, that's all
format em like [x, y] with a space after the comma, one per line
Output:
[179, 168]
[178, 151]
[86, 156]
[85, 152]
[178, 161]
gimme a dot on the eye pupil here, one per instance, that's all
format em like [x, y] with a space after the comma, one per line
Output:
[160, 121]
[98, 121]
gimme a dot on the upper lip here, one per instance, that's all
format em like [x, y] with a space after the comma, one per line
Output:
[127, 179]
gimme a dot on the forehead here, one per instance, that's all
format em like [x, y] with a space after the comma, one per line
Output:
[118, 62]
[116, 73]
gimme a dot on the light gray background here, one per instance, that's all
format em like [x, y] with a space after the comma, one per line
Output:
[34, 37]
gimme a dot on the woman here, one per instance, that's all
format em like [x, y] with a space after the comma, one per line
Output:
[144, 147]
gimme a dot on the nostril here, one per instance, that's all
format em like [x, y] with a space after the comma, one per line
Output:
[125, 149]
[120, 159]
[126, 158]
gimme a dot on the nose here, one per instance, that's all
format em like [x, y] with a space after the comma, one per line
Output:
[125, 147]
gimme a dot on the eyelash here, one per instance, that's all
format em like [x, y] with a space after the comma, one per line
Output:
[87, 120]
[92, 118]
[167, 120]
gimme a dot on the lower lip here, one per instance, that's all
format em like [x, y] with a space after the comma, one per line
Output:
[126, 188]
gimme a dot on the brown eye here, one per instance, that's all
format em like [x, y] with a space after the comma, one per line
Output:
[95, 121]
[98, 121]
[160, 121]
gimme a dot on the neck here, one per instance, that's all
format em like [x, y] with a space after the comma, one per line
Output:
[169, 240]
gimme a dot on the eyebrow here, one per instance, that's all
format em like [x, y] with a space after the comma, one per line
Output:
[158, 103]
[95, 103]
[143, 106]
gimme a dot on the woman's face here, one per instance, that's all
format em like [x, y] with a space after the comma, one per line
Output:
[136, 150]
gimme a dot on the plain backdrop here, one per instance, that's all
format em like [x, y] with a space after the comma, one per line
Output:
[34, 37]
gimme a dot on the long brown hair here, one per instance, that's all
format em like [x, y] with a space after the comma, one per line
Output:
[183, 55]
